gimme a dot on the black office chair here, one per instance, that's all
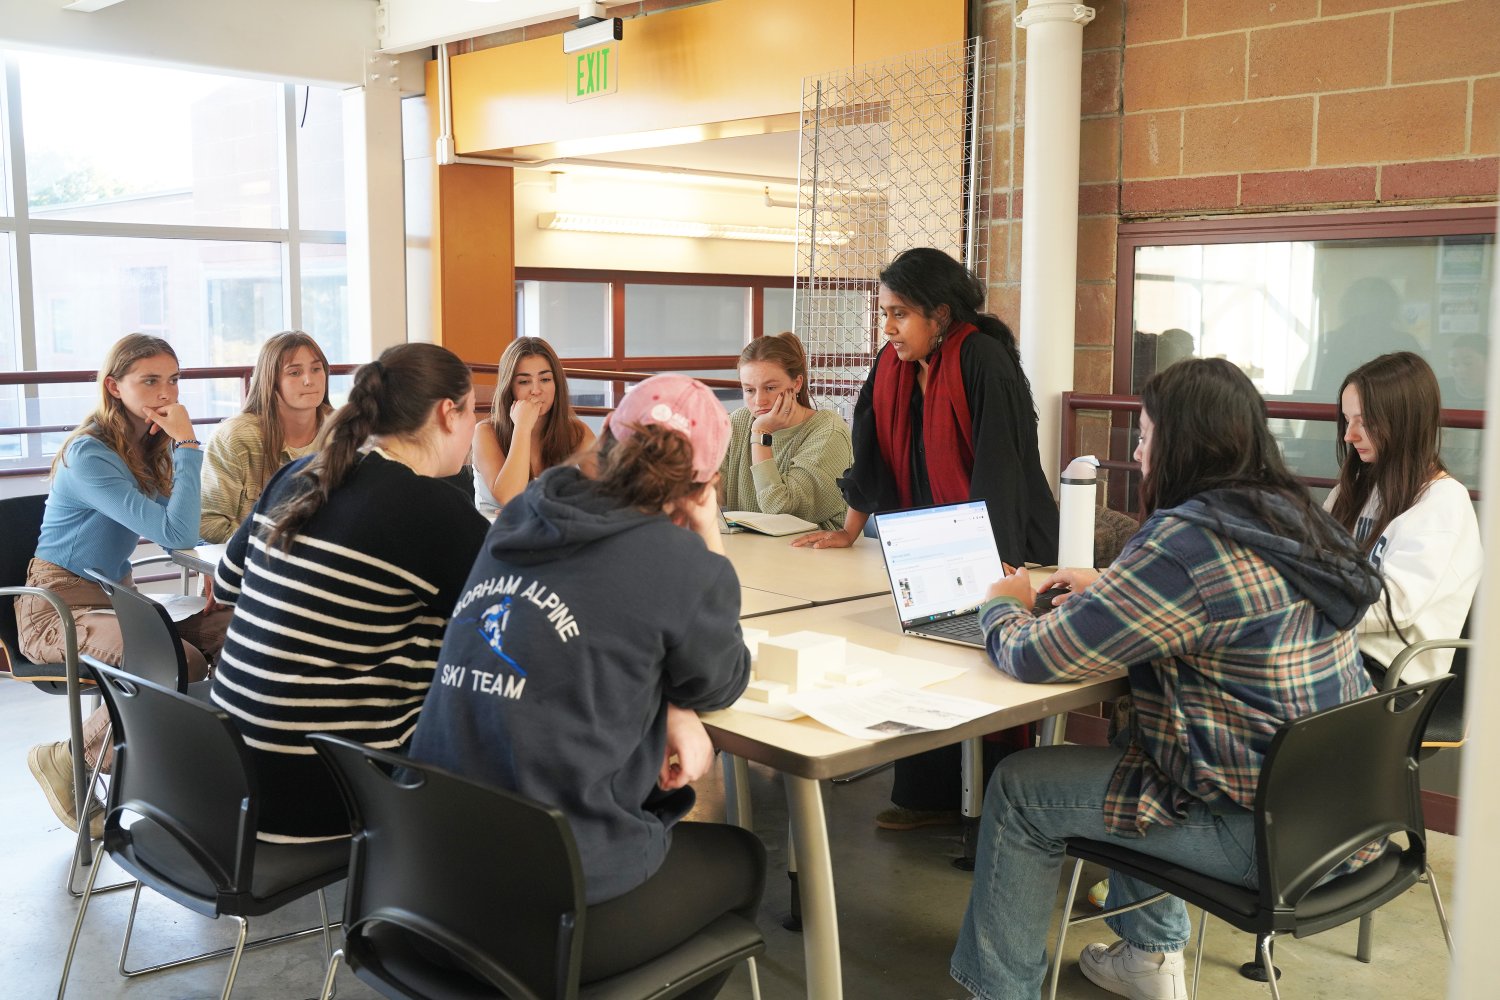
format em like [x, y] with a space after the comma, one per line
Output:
[442, 865]
[1332, 782]
[151, 647]
[182, 816]
[20, 528]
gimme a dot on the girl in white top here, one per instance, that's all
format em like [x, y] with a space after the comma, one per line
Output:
[1416, 521]
[531, 426]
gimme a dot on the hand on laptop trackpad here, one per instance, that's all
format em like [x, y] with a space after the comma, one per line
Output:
[1047, 599]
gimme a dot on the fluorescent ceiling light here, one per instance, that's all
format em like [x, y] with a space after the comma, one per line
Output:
[626, 226]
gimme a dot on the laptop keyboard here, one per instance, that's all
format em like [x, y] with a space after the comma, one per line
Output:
[964, 627]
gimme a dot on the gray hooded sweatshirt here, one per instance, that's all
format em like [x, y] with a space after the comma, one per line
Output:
[580, 621]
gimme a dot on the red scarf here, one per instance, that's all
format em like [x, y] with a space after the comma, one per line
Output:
[947, 428]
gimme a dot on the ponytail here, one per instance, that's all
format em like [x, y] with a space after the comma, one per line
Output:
[394, 395]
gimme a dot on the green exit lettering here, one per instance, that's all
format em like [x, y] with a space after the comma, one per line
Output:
[593, 74]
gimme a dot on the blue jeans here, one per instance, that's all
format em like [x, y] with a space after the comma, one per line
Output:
[1036, 799]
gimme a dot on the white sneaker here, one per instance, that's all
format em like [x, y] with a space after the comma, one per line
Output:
[1128, 972]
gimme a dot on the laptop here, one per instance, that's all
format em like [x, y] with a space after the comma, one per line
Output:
[941, 561]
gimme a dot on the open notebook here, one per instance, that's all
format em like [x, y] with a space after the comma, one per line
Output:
[767, 524]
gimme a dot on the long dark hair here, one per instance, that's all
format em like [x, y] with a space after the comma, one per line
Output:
[149, 459]
[1400, 402]
[393, 395]
[928, 279]
[647, 470]
[562, 432]
[1209, 433]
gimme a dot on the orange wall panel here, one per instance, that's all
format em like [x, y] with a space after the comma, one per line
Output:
[885, 28]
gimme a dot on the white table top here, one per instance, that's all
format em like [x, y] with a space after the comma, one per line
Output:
[811, 750]
[203, 558]
[754, 603]
[815, 575]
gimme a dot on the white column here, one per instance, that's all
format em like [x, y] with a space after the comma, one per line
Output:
[1476, 878]
[1049, 216]
[375, 211]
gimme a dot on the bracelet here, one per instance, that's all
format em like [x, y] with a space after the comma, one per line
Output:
[179, 444]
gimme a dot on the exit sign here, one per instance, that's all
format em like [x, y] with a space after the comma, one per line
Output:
[594, 73]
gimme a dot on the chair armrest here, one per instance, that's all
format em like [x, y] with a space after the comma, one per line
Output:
[165, 557]
[1393, 672]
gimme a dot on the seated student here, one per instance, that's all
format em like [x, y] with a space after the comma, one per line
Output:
[286, 405]
[1231, 609]
[129, 471]
[1398, 501]
[343, 578]
[602, 614]
[784, 456]
[531, 425]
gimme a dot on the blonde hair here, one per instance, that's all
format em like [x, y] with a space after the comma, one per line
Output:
[150, 459]
[264, 398]
[786, 352]
[562, 432]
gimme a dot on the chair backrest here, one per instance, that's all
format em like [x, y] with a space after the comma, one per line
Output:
[20, 528]
[149, 639]
[1336, 780]
[182, 764]
[489, 877]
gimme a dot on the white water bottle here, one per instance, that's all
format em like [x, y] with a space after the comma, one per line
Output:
[1075, 535]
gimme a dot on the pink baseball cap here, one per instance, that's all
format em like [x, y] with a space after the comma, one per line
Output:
[684, 405]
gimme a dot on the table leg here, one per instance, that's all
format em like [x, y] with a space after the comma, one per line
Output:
[736, 790]
[820, 941]
[793, 921]
[971, 752]
[1054, 729]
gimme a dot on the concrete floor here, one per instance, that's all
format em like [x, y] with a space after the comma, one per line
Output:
[900, 903]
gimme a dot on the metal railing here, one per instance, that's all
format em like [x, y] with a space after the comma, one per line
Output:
[1121, 407]
[243, 372]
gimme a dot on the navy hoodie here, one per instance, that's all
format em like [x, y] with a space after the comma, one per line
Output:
[580, 621]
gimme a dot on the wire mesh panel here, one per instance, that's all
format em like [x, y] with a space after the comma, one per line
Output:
[893, 154]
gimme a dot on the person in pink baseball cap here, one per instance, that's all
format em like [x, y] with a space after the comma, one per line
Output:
[603, 617]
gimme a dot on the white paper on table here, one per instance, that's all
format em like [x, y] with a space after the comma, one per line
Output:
[903, 671]
[180, 606]
[880, 711]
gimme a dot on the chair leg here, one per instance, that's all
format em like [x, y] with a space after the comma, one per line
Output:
[1198, 958]
[135, 901]
[1062, 927]
[1365, 947]
[234, 962]
[754, 980]
[333, 971]
[1437, 901]
[83, 907]
[1265, 957]
[84, 854]
[327, 930]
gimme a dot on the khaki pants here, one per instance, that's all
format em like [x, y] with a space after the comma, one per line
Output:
[98, 635]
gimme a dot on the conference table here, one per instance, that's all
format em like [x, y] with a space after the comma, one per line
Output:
[806, 752]
[817, 576]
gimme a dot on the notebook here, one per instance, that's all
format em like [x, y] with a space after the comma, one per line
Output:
[766, 524]
[941, 561]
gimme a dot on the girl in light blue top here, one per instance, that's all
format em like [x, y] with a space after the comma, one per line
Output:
[129, 471]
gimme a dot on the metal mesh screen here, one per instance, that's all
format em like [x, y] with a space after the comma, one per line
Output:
[893, 154]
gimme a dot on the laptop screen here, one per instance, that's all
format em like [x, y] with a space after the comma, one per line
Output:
[941, 560]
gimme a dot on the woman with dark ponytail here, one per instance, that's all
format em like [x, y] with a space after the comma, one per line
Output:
[343, 577]
[603, 616]
[945, 415]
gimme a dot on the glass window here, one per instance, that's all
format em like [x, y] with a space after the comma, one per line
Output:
[776, 311]
[1298, 316]
[320, 158]
[325, 298]
[679, 320]
[120, 142]
[215, 301]
[572, 316]
[10, 355]
[732, 397]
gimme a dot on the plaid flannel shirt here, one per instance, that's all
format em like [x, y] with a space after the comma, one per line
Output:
[1220, 652]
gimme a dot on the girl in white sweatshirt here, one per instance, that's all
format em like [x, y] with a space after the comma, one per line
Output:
[1415, 520]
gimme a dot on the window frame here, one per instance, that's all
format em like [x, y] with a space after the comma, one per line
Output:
[1467, 220]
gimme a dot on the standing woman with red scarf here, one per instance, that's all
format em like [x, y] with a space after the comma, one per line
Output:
[946, 415]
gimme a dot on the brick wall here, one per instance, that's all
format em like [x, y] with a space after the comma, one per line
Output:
[1195, 107]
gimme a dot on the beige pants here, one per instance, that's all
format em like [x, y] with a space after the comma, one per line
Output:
[98, 635]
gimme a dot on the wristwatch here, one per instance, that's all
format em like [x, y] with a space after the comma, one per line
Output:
[763, 439]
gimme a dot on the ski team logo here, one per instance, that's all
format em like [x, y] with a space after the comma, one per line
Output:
[492, 627]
